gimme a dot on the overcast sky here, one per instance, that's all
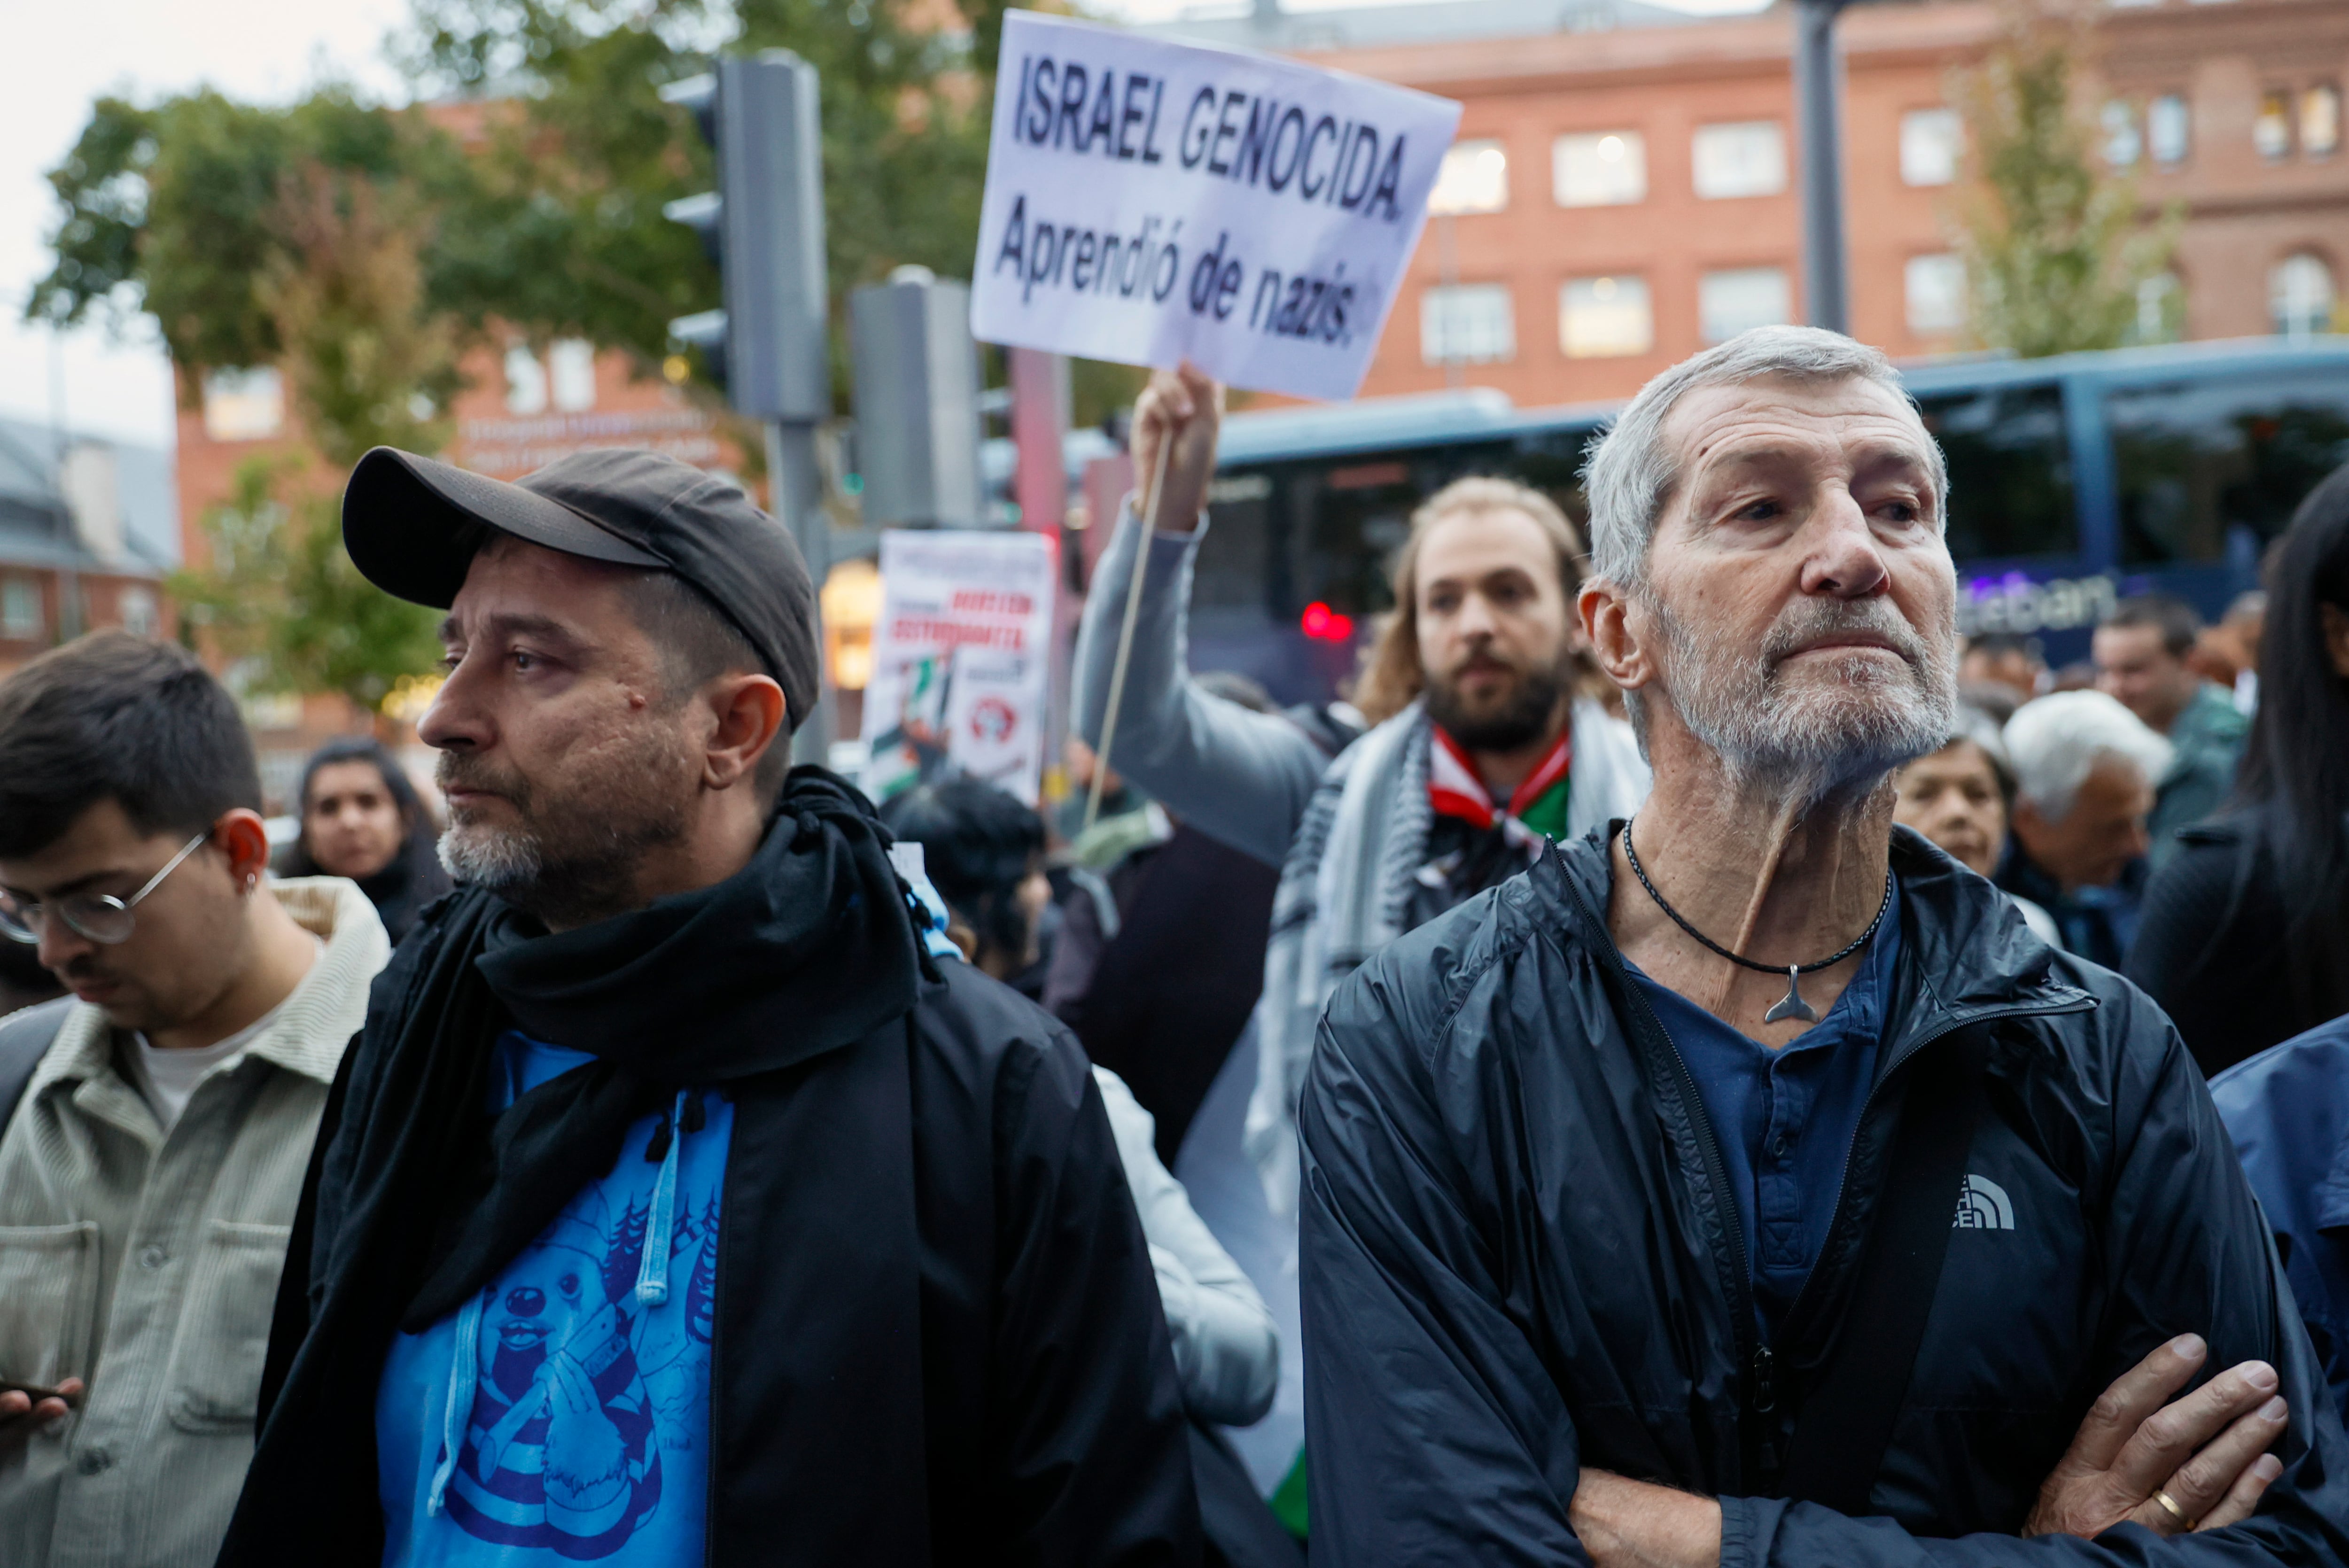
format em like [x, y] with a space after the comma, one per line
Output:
[71, 51]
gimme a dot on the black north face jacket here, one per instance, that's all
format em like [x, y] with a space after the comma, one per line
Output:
[1519, 1257]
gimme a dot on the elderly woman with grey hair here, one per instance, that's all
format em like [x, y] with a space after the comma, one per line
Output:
[1962, 798]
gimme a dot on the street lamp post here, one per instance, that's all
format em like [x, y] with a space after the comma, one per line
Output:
[1819, 95]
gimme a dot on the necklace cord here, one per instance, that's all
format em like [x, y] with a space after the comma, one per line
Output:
[1858, 943]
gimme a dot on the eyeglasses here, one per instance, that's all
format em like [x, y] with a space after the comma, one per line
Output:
[99, 916]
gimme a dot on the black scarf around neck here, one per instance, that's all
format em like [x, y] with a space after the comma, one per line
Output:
[807, 949]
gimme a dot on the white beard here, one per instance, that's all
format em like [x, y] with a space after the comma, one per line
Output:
[486, 857]
[1855, 717]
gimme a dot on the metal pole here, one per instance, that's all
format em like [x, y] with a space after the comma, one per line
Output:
[795, 487]
[1819, 93]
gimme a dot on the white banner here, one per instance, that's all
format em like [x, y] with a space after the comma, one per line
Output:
[1150, 202]
[960, 659]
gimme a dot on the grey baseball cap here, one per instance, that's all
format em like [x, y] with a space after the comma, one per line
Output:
[412, 524]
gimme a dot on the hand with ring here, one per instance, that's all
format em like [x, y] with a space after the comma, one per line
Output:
[2198, 1463]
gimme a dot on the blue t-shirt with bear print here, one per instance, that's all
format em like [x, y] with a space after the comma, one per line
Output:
[574, 1390]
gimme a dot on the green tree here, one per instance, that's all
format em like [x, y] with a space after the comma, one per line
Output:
[295, 237]
[362, 249]
[564, 233]
[2054, 244]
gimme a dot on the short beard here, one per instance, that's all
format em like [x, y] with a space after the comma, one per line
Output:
[1510, 722]
[574, 856]
[1844, 732]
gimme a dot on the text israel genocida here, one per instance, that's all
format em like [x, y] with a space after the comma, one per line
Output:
[1226, 133]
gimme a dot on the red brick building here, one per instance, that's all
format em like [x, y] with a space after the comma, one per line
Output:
[1623, 189]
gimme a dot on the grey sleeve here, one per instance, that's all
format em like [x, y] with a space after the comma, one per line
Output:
[1240, 777]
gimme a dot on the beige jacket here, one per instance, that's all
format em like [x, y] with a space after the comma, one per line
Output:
[149, 1263]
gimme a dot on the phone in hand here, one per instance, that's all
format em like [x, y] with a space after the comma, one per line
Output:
[35, 1392]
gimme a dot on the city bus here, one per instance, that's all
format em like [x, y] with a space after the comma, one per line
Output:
[2074, 481]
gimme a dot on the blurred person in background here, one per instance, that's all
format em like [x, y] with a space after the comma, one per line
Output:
[2227, 655]
[983, 861]
[2006, 659]
[1159, 960]
[985, 854]
[2143, 653]
[2245, 936]
[2084, 768]
[361, 818]
[152, 1166]
[1961, 796]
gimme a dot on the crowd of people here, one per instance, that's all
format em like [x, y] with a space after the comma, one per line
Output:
[1514, 1114]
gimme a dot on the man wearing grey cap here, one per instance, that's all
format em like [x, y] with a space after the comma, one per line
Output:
[673, 1207]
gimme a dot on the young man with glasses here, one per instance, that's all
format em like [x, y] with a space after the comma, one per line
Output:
[150, 1170]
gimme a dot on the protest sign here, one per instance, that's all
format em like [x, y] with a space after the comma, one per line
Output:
[1151, 201]
[960, 659]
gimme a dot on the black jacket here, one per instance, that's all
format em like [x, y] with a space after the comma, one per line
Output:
[2215, 945]
[938, 1338]
[1518, 1259]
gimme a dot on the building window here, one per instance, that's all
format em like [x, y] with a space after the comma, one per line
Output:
[2299, 295]
[2272, 131]
[1744, 159]
[1608, 168]
[136, 607]
[1467, 323]
[2122, 143]
[2160, 309]
[1936, 290]
[2320, 120]
[1601, 318]
[571, 374]
[20, 609]
[1472, 178]
[525, 381]
[243, 404]
[1932, 141]
[1730, 302]
[2168, 129]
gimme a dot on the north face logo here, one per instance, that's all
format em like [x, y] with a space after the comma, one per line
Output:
[1983, 1205]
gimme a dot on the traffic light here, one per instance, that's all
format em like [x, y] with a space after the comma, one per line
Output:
[763, 227]
[917, 426]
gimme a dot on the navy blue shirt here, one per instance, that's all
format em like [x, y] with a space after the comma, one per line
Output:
[1784, 1118]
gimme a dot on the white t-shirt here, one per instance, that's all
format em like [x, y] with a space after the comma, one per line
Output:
[168, 1078]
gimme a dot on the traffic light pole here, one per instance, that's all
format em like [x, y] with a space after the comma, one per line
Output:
[1819, 93]
[795, 494]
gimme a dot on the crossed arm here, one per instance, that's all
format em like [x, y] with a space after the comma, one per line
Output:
[2207, 1453]
[1439, 1431]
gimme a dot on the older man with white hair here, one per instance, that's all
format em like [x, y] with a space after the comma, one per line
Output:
[2085, 771]
[1627, 1231]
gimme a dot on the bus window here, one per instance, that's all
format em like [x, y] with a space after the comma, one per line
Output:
[1236, 558]
[2010, 470]
[1551, 463]
[2212, 470]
